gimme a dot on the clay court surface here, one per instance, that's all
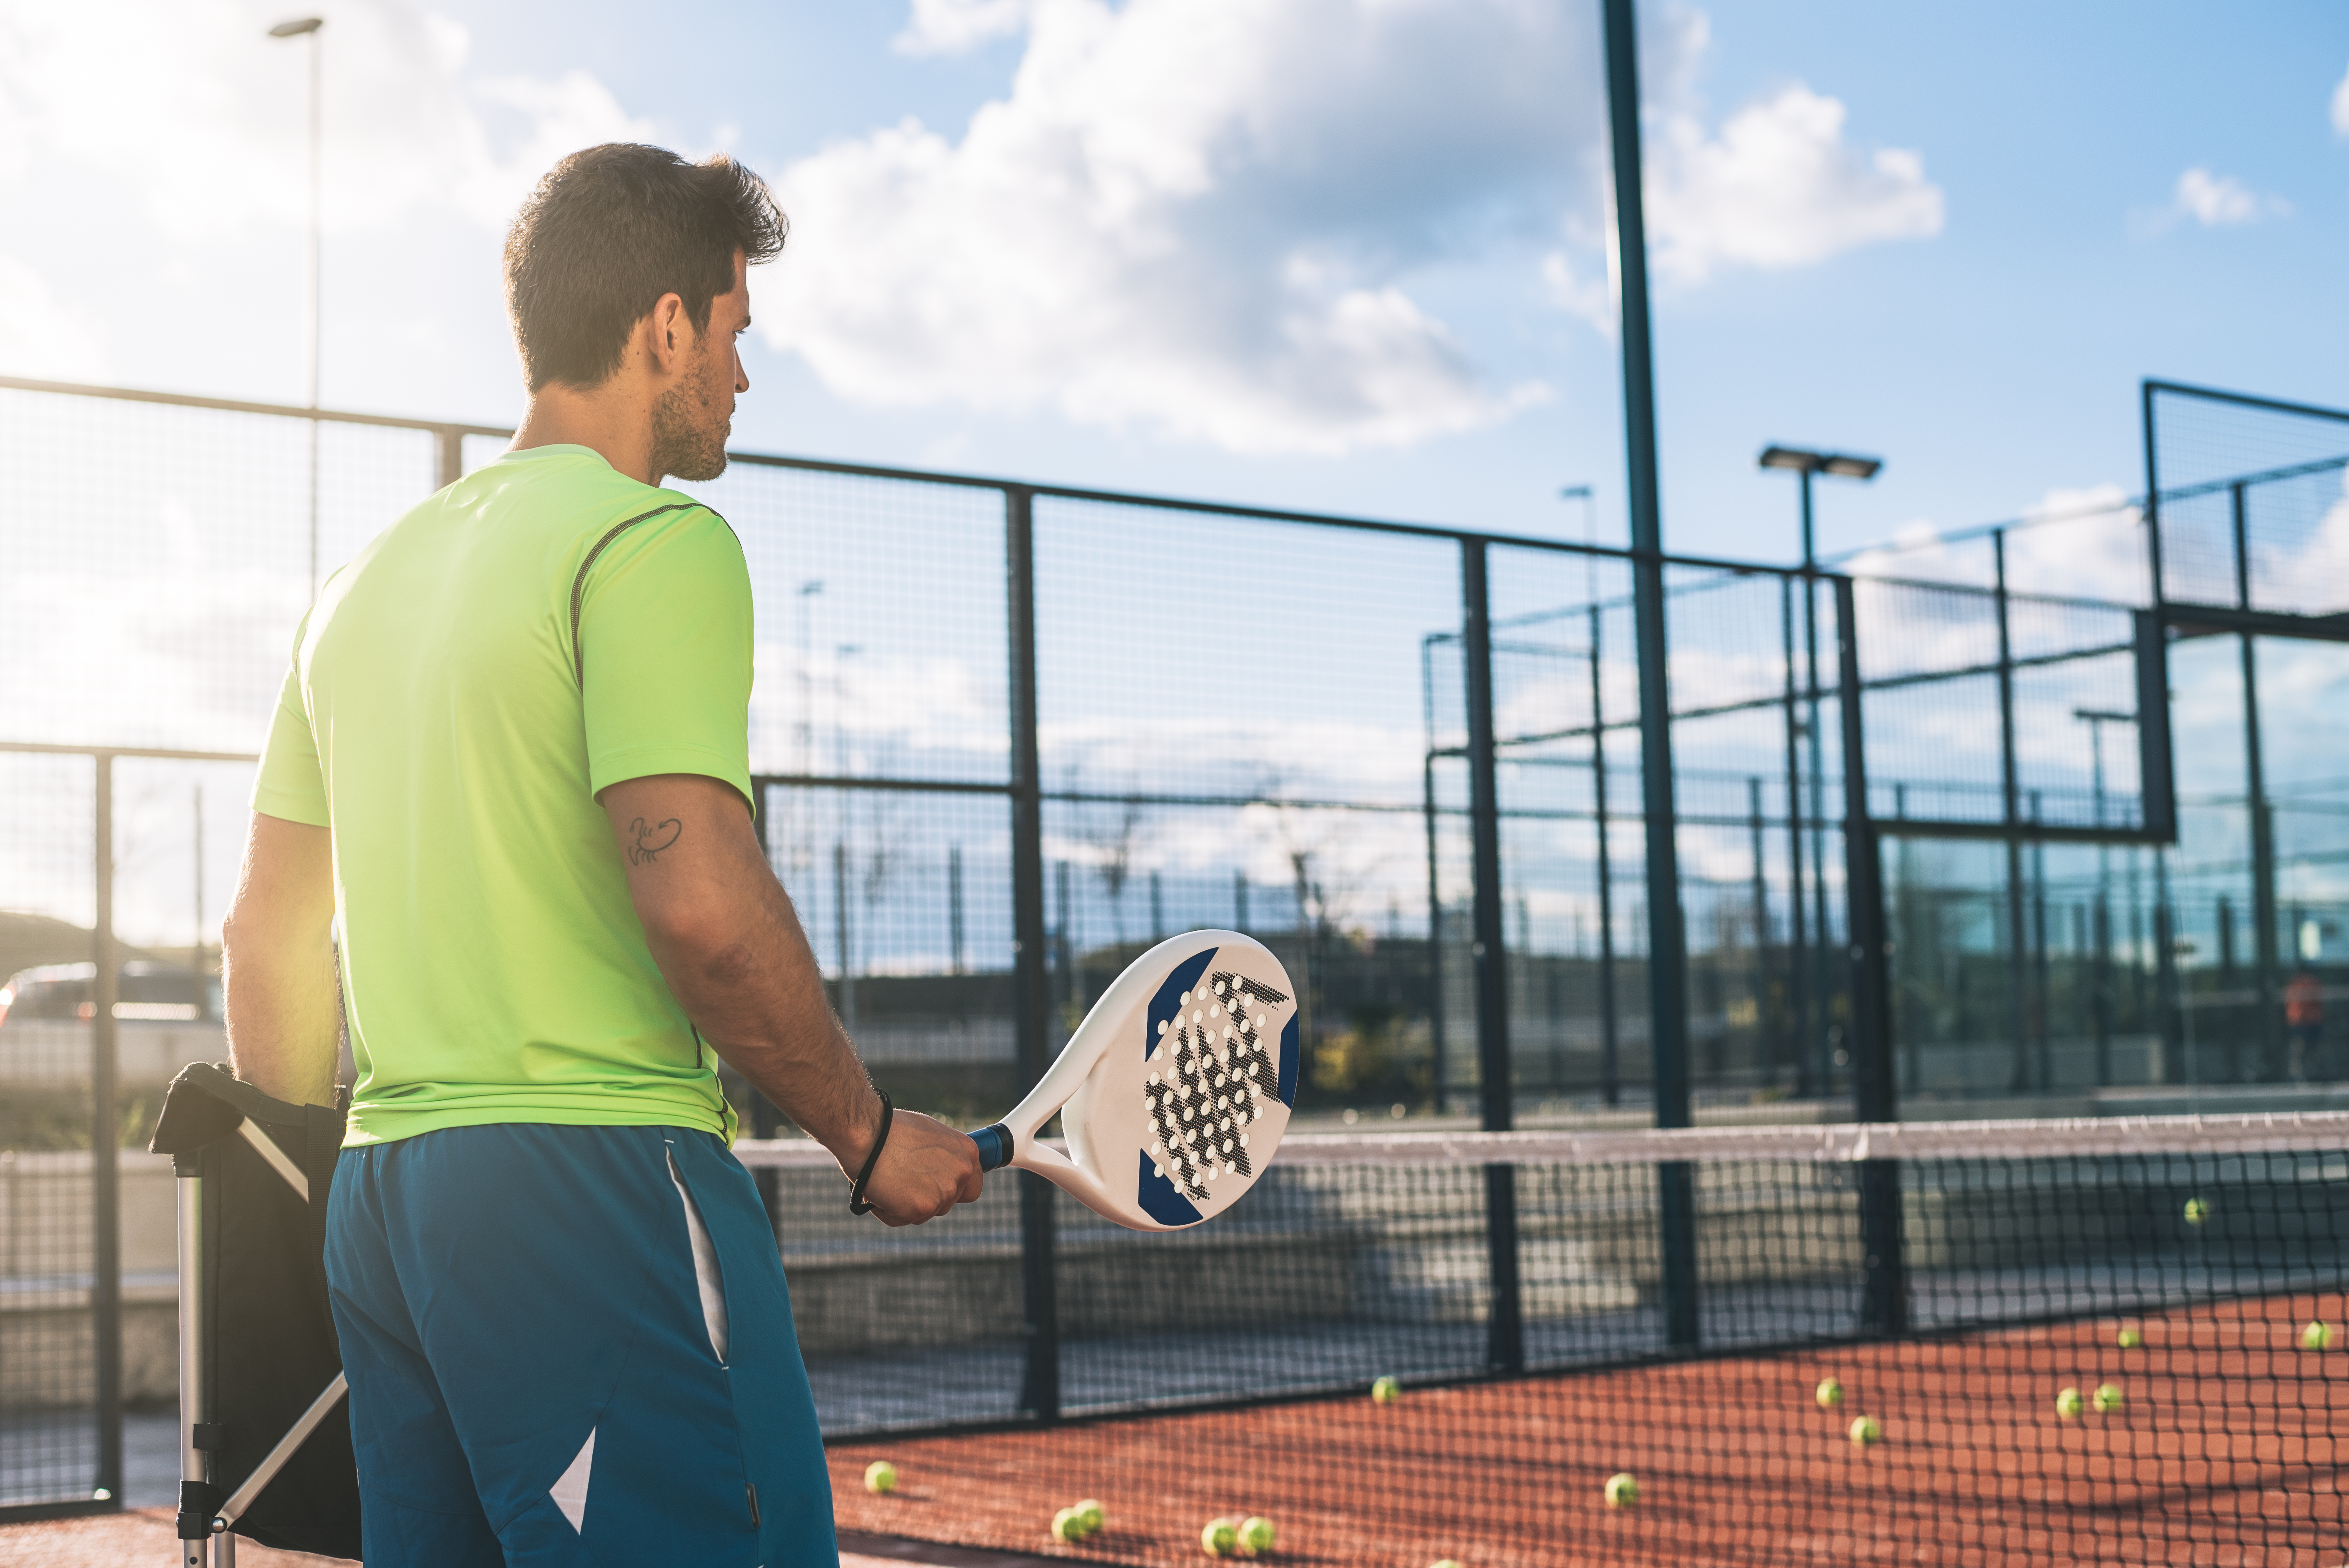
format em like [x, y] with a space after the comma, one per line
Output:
[2225, 1453]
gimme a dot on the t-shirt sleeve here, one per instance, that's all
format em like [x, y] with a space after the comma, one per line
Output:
[290, 783]
[665, 653]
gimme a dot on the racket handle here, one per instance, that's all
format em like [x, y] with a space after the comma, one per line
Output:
[994, 1147]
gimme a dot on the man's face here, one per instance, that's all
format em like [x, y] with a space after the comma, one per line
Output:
[692, 419]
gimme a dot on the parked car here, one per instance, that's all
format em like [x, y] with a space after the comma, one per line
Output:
[145, 991]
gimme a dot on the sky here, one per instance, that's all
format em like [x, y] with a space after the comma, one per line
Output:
[1347, 255]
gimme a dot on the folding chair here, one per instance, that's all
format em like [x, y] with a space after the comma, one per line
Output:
[265, 1448]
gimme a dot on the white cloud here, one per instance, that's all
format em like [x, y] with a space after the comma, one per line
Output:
[2340, 105]
[956, 27]
[1778, 187]
[39, 336]
[198, 115]
[1211, 218]
[2216, 201]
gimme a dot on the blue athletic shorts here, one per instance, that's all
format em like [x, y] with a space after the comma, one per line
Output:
[571, 1345]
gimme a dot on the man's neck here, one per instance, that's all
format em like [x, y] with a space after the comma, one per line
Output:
[614, 421]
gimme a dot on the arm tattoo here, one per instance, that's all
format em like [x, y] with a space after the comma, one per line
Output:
[652, 838]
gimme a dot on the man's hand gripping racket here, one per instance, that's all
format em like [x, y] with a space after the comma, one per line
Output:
[1173, 1093]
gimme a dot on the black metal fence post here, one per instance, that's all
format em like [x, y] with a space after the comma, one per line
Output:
[1039, 1385]
[105, 1147]
[1884, 1295]
[1610, 1050]
[2262, 821]
[1667, 944]
[766, 1121]
[1435, 1019]
[1798, 995]
[1505, 1349]
[2018, 958]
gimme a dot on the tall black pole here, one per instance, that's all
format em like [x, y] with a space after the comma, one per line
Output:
[1822, 1049]
[1040, 1386]
[1504, 1334]
[1883, 1292]
[1667, 957]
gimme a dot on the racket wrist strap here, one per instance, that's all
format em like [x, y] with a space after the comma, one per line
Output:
[856, 1200]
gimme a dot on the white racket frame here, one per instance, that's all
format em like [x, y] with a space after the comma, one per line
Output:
[1104, 1178]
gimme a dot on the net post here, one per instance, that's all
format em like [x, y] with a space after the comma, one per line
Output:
[1884, 1295]
[1040, 1384]
[1504, 1349]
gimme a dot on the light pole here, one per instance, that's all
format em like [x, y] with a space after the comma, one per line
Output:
[1843, 465]
[310, 26]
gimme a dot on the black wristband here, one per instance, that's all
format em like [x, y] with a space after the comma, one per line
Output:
[856, 1203]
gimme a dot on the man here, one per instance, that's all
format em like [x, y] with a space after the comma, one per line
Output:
[510, 767]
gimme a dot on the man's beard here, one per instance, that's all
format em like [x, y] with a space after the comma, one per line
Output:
[689, 431]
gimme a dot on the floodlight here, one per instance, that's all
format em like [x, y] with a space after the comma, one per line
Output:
[1843, 465]
[295, 29]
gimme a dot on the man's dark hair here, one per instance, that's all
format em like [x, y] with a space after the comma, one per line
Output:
[612, 229]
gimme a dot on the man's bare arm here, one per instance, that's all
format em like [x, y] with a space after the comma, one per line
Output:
[731, 947]
[277, 963]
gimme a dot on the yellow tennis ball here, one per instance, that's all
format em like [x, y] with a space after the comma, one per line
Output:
[2197, 1210]
[2131, 1339]
[1256, 1535]
[2316, 1336]
[1218, 1537]
[2068, 1404]
[1385, 1392]
[880, 1476]
[1867, 1429]
[1067, 1525]
[1090, 1515]
[1623, 1489]
[1830, 1394]
[2106, 1398]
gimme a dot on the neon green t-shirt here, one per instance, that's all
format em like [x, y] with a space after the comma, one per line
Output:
[543, 628]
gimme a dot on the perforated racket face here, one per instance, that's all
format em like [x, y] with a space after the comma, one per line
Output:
[1193, 1098]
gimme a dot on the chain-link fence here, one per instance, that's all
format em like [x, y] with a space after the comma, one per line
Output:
[1149, 715]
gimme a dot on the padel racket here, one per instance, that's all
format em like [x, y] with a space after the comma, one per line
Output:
[1175, 1090]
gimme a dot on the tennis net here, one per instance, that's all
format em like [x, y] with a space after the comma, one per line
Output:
[2114, 1340]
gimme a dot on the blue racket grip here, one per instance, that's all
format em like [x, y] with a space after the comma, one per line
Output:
[994, 1147]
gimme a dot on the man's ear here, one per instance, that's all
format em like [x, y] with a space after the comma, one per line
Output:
[670, 334]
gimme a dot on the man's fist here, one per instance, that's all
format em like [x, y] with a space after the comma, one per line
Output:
[926, 1168]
